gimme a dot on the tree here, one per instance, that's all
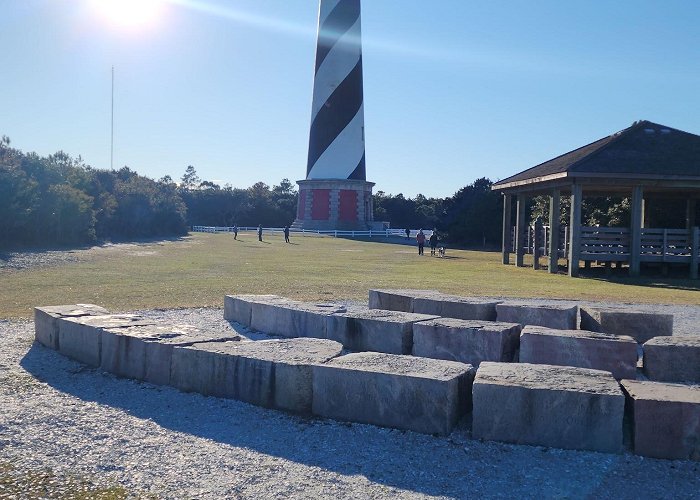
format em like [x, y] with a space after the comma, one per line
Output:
[190, 180]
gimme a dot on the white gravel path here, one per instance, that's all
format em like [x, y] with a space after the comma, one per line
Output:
[57, 414]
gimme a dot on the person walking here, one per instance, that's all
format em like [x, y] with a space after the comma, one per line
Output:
[286, 234]
[235, 232]
[433, 242]
[420, 238]
[260, 232]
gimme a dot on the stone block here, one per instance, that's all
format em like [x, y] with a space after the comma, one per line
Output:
[46, 320]
[80, 338]
[466, 341]
[613, 353]
[362, 329]
[291, 318]
[395, 300]
[238, 308]
[545, 405]
[665, 419]
[145, 352]
[270, 373]
[405, 392]
[673, 359]
[453, 306]
[639, 325]
[552, 316]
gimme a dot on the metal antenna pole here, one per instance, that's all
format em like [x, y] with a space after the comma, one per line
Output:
[111, 147]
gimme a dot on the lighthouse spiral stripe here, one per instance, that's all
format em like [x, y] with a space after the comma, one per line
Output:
[336, 139]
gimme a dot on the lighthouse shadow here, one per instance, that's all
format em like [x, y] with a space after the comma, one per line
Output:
[383, 456]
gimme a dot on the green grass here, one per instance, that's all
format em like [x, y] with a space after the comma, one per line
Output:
[201, 269]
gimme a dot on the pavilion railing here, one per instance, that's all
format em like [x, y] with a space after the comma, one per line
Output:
[543, 240]
[613, 244]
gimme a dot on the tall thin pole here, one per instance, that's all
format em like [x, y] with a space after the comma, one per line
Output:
[111, 146]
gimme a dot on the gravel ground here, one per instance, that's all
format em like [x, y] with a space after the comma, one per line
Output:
[58, 415]
[39, 258]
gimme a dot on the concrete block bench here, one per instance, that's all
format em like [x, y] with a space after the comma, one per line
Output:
[551, 316]
[404, 392]
[545, 405]
[600, 351]
[362, 329]
[80, 338]
[291, 318]
[453, 306]
[673, 359]
[239, 308]
[639, 325]
[466, 341]
[46, 320]
[270, 373]
[144, 352]
[666, 419]
[433, 302]
[396, 300]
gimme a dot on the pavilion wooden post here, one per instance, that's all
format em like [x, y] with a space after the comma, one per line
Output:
[507, 243]
[694, 253]
[575, 229]
[520, 230]
[690, 208]
[636, 230]
[554, 214]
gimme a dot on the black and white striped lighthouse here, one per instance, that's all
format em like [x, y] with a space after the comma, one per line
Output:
[335, 193]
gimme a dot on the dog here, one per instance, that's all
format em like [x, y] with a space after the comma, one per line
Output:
[441, 252]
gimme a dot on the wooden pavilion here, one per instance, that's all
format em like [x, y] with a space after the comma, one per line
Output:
[647, 162]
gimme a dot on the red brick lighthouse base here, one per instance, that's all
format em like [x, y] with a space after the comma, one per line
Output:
[335, 204]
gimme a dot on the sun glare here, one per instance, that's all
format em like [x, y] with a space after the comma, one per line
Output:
[129, 13]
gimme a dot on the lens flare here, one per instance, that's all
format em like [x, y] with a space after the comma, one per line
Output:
[129, 13]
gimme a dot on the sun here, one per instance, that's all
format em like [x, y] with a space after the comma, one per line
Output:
[129, 13]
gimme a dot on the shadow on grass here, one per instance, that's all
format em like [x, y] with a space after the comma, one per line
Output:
[6, 253]
[620, 276]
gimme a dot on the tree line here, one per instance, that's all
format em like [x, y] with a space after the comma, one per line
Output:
[59, 200]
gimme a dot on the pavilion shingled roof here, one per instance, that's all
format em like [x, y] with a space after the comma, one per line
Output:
[644, 149]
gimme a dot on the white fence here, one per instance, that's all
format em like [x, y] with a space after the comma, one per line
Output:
[372, 233]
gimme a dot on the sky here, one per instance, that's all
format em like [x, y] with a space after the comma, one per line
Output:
[454, 90]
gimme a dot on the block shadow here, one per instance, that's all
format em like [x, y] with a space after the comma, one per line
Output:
[315, 442]
[460, 467]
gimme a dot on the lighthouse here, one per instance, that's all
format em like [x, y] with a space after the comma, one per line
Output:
[335, 193]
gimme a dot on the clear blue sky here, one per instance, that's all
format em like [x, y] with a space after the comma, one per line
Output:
[454, 89]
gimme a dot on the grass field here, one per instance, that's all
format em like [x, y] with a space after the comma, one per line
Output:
[200, 269]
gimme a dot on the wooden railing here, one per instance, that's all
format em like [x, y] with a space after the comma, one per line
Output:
[605, 243]
[613, 244]
[544, 237]
[665, 245]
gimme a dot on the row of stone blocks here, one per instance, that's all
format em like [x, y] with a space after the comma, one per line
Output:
[361, 329]
[522, 403]
[639, 325]
[302, 375]
[602, 338]
[472, 341]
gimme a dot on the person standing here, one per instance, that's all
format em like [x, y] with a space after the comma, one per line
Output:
[408, 233]
[235, 232]
[433, 242]
[260, 232]
[286, 234]
[420, 238]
